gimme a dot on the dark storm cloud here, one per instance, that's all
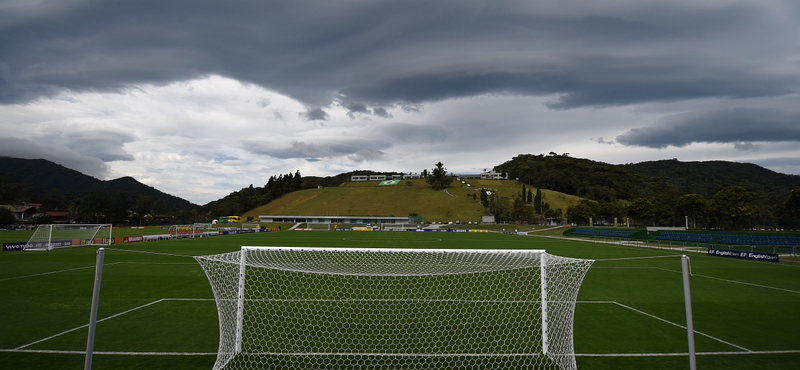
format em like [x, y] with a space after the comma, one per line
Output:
[406, 53]
[315, 114]
[35, 149]
[102, 144]
[739, 126]
[354, 149]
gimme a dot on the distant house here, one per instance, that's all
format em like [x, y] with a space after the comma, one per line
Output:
[491, 175]
[359, 178]
[411, 175]
[377, 177]
[487, 219]
[58, 216]
[23, 212]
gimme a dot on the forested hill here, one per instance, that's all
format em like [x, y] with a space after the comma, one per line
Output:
[709, 177]
[667, 178]
[583, 177]
[39, 176]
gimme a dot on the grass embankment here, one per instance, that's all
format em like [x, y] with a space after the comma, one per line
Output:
[409, 197]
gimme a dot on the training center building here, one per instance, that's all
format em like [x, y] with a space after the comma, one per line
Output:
[338, 219]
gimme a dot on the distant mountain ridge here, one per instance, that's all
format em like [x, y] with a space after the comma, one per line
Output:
[41, 176]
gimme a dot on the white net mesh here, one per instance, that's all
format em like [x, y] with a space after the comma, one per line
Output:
[294, 308]
[183, 231]
[47, 237]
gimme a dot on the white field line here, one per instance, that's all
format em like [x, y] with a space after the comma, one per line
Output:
[145, 252]
[702, 276]
[89, 267]
[22, 349]
[122, 353]
[64, 352]
[56, 272]
[86, 325]
[110, 317]
[675, 354]
[681, 326]
[750, 284]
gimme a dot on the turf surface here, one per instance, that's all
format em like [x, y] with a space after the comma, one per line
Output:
[157, 310]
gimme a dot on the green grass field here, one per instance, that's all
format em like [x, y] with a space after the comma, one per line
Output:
[369, 199]
[157, 309]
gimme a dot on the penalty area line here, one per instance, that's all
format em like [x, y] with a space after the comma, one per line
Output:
[87, 325]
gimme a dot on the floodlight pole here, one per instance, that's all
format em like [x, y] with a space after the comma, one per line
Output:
[687, 299]
[98, 277]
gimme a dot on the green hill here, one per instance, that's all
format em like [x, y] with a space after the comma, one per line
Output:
[408, 197]
[40, 176]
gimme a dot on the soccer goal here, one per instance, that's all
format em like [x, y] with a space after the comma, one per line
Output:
[198, 228]
[329, 308]
[50, 236]
[181, 231]
[251, 227]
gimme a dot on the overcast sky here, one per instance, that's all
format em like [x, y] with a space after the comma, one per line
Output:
[201, 98]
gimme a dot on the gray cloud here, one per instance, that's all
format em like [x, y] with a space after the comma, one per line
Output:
[355, 109]
[29, 149]
[722, 126]
[315, 114]
[381, 112]
[354, 149]
[746, 146]
[407, 52]
[102, 144]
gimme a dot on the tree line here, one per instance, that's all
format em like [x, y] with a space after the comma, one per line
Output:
[711, 194]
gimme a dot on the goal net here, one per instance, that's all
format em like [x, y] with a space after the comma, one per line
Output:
[308, 308]
[47, 237]
[251, 227]
[183, 231]
[198, 228]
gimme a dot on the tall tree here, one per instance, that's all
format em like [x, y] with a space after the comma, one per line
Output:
[792, 203]
[439, 179]
[581, 213]
[54, 200]
[692, 206]
[11, 192]
[94, 206]
[6, 216]
[537, 201]
[734, 207]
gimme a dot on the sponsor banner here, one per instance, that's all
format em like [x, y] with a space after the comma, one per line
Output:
[343, 229]
[478, 231]
[460, 230]
[150, 238]
[756, 256]
[13, 247]
[229, 232]
[362, 229]
[133, 239]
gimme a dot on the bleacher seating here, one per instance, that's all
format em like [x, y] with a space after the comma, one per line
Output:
[759, 239]
[614, 233]
[685, 237]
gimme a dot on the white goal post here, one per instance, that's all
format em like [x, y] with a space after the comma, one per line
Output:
[49, 236]
[198, 228]
[251, 227]
[336, 308]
